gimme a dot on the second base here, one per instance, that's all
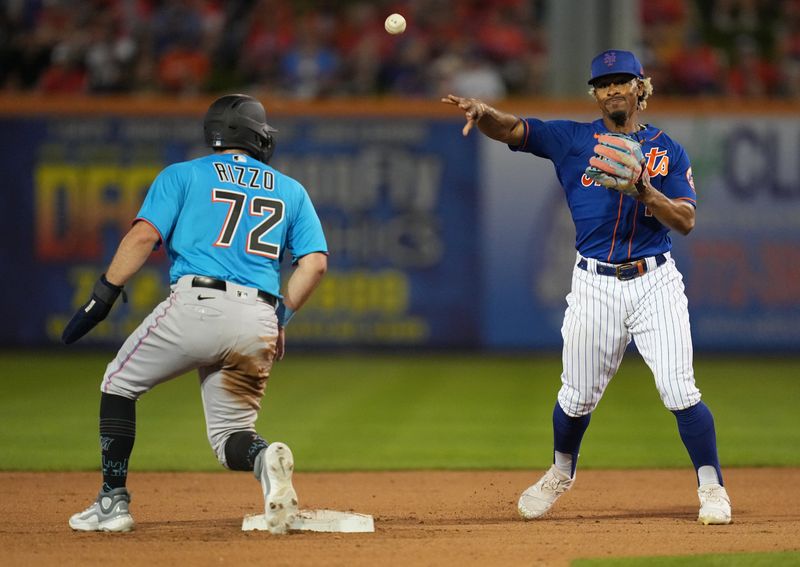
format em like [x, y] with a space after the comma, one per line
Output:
[317, 521]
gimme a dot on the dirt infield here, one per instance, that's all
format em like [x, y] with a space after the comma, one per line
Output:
[421, 518]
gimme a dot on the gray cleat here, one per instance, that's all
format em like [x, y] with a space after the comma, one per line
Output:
[109, 513]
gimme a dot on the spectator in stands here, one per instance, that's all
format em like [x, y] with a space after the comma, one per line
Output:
[407, 73]
[311, 50]
[310, 67]
[788, 48]
[307, 50]
[29, 46]
[110, 56]
[666, 24]
[363, 45]
[751, 74]
[65, 75]
[469, 71]
[268, 33]
[183, 69]
[697, 69]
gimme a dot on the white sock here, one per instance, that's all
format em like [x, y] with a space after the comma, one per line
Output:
[563, 462]
[707, 475]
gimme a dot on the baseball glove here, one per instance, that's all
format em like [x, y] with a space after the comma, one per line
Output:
[618, 163]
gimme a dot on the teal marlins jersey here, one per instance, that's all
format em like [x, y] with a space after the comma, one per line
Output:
[231, 217]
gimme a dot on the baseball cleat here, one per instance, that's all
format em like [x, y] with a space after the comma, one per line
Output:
[109, 513]
[539, 498]
[715, 505]
[280, 502]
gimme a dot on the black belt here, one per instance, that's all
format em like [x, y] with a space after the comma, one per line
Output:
[626, 271]
[212, 283]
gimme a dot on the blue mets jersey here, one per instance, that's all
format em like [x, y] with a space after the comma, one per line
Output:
[609, 226]
[231, 217]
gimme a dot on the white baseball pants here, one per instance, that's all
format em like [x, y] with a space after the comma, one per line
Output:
[228, 336]
[604, 314]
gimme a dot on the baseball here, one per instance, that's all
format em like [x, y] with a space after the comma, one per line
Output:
[395, 24]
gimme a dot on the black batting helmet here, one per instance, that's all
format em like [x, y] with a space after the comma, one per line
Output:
[239, 121]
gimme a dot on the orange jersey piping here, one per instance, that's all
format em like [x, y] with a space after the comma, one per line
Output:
[614, 237]
[633, 231]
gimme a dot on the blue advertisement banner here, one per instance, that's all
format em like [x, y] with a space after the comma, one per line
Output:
[396, 198]
[437, 240]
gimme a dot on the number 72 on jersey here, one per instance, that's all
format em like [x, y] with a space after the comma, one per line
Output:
[274, 210]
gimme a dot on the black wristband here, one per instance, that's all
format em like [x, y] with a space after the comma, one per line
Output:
[95, 310]
[107, 291]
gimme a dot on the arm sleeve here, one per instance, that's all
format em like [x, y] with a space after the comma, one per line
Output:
[679, 183]
[164, 200]
[552, 139]
[305, 233]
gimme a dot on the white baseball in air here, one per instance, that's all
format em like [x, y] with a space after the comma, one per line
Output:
[395, 24]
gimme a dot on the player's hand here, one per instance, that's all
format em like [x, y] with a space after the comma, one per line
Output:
[280, 345]
[618, 163]
[93, 311]
[473, 108]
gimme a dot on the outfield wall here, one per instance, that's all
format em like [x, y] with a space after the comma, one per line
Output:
[436, 240]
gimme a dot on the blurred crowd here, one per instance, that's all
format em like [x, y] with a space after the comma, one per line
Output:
[733, 48]
[309, 49]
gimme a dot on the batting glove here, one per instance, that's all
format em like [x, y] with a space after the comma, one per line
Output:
[95, 310]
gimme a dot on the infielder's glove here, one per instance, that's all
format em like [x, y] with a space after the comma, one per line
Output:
[618, 163]
[95, 310]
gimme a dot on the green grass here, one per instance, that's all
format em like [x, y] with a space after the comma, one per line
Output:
[782, 559]
[401, 412]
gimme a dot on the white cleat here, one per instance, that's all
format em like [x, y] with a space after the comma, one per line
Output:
[108, 513]
[280, 502]
[539, 498]
[715, 505]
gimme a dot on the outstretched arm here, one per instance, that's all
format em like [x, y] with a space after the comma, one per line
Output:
[494, 123]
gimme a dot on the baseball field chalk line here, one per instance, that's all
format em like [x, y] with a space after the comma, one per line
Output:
[317, 521]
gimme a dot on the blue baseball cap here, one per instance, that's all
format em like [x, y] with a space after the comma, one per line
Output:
[615, 62]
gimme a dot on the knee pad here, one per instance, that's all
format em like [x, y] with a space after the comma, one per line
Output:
[241, 449]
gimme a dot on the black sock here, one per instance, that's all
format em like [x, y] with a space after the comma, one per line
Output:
[117, 434]
[241, 449]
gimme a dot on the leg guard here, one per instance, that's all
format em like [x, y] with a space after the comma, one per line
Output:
[241, 449]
